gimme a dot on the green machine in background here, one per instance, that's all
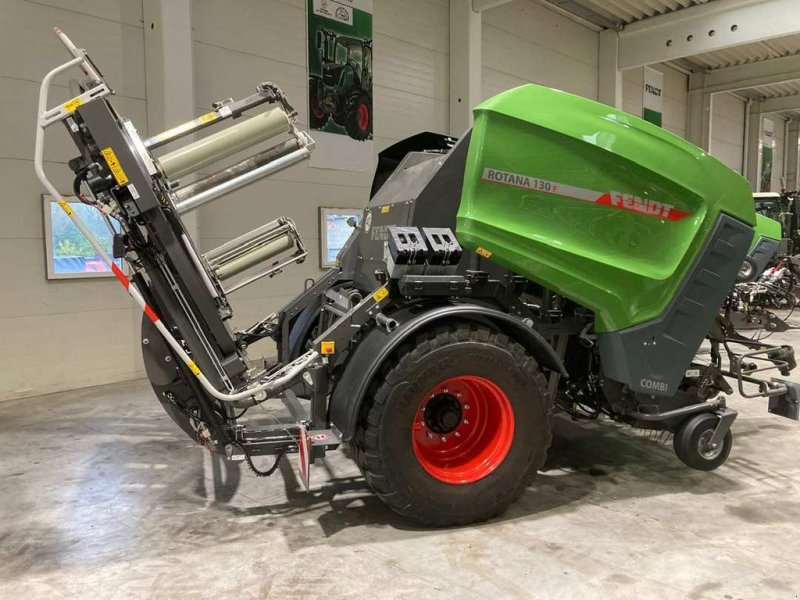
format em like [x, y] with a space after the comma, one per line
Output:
[763, 249]
[783, 208]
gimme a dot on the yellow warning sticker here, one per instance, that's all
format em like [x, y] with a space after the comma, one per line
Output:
[65, 205]
[72, 105]
[380, 294]
[483, 252]
[327, 347]
[113, 164]
[207, 118]
[194, 368]
[385, 209]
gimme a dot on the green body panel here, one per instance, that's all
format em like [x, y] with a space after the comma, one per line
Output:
[568, 212]
[768, 228]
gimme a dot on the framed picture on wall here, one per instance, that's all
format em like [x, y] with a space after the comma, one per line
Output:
[334, 230]
[68, 253]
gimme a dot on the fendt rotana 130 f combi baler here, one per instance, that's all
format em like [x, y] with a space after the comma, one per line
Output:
[560, 255]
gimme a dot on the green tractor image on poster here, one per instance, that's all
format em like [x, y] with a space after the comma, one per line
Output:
[343, 92]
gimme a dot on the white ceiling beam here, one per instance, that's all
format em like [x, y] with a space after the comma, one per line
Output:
[763, 72]
[481, 5]
[791, 161]
[752, 157]
[706, 28]
[609, 77]
[698, 113]
[465, 65]
[169, 71]
[780, 104]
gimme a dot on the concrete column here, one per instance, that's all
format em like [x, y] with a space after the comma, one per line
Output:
[169, 70]
[465, 65]
[609, 77]
[755, 124]
[791, 158]
[698, 112]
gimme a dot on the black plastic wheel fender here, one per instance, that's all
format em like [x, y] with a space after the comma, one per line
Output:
[378, 345]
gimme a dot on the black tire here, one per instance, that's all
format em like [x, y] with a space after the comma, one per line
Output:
[385, 452]
[690, 443]
[358, 120]
[317, 115]
[748, 271]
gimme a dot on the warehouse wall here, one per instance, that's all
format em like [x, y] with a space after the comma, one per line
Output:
[57, 335]
[237, 45]
[524, 42]
[675, 96]
[727, 130]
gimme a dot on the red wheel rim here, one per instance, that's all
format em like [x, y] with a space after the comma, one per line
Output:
[363, 116]
[463, 429]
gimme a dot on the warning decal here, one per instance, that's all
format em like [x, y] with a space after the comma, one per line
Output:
[114, 166]
[618, 200]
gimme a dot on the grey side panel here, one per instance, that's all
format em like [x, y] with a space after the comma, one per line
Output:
[652, 357]
[438, 203]
[409, 179]
[763, 252]
[425, 189]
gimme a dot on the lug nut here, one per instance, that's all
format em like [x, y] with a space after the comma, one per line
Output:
[466, 407]
[465, 421]
[444, 439]
[430, 435]
[457, 434]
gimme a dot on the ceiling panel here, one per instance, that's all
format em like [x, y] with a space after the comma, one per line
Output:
[788, 88]
[616, 13]
[628, 11]
[783, 46]
[610, 13]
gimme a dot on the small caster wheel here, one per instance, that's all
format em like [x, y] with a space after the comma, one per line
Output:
[692, 443]
[748, 271]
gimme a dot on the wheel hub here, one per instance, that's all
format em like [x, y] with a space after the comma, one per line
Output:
[443, 413]
[363, 116]
[704, 446]
[463, 429]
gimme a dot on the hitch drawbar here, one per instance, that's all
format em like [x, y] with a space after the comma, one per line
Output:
[786, 404]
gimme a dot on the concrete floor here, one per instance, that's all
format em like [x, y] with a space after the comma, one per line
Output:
[102, 496]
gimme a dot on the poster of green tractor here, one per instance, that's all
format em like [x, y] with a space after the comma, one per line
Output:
[340, 67]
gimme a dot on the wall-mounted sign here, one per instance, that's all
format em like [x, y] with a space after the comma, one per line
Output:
[340, 83]
[652, 98]
[335, 227]
[69, 254]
